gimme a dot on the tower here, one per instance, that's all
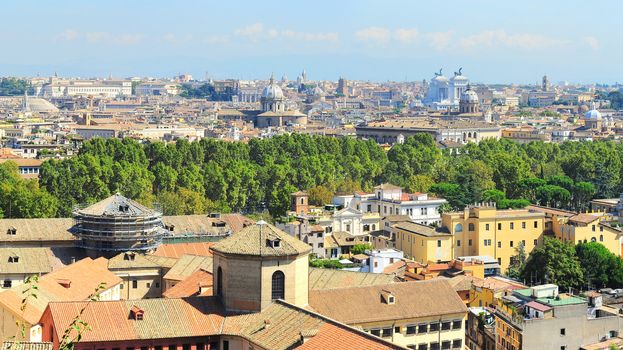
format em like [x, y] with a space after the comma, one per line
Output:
[342, 87]
[545, 85]
[260, 264]
[299, 202]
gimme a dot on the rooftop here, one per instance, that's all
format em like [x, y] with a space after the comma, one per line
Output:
[117, 205]
[261, 240]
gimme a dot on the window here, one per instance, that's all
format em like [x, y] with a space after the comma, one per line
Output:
[593, 228]
[134, 284]
[157, 284]
[446, 325]
[422, 346]
[563, 331]
[536, 224]
[511, 244]
[457, 343]
[396, 329]
[536, 241]
[219, 281]
[499, 226]
[512, 225]
[148, 285]
[387, 332]
[433, 327]
[7, 284]
[487, 242]
[458, 242]
[456, 324]
[348, 227]
[434, 346]
[471, 227]
[499, 261]
[487, 227]
[458, 228]
[499, 244]
[469, 242]
[445, 345]
[225, 344]
[523, 224]
[411, 329]
[278, 285]
[13, 259]
[376, 332]
[11, 231]
[438, 243]
[422, 328]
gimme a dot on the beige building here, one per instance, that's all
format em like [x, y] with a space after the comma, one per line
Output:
[423, 243]
[16, 264]
[418, 315]
[258, 265]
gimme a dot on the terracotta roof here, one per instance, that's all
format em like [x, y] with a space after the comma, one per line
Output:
[195, 224]
[256, 240]
[80, 280]
[584, 218]
[188, 264]
[279, 326]
[538, 306]
[22, 162]
[191, 285]
[162, 261]
[364, 304]
[321, 279]
[237, 221]
[391, 268]
[551, 211]
[176, 250]
[463, 282]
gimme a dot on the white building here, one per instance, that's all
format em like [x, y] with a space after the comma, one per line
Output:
[389, 199]
[444, 93]
[105, 88]
[157, 89]
[380, 259]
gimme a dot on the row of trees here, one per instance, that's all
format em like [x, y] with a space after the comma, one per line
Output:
[14, 87]
[195, 177]
[585, 266]
[206, 91]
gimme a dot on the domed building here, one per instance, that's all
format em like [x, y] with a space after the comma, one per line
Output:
[469, 102]
[258, 265]
[444, 93]
[274, 111]
[118, 224]
[593, 119]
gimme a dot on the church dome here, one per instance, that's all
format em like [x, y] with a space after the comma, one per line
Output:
[272, 90]
[593, 114]
[469, 96]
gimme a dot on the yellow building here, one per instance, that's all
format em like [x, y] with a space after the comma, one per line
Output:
[418, 315]
[423, 243]
[489, 291]
[485, 231]
[590, 227]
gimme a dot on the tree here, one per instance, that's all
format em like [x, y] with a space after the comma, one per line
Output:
[601, 267]
[451, 192]
[319, 195]
[517, 262]
[419, 183]
[360, 248]
[554, 262]
[183, 202]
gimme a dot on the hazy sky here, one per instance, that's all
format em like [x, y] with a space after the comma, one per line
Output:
[494, 41]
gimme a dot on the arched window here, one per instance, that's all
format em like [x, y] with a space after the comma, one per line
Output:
[458, 228]
[278, 291]
[219, 281]
[593, 239]
[470, 227]
[302, 200]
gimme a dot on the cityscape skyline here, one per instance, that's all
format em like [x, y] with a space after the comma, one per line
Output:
[493, 42]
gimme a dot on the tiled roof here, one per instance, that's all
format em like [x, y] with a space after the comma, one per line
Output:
[256, 240]
[538, 306]
[321, 279]
[110, 206]
[176, 250]
[188, 264]
[30, 261]
[129, 260]
[195, 224]
[80, 279]
[191, 285]
[161, 261]
[584, 218]
[422, 230]
[51, 229]
[279, 326]
[412, 300]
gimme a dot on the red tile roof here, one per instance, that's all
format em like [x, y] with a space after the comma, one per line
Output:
[191, 286]
[176, 250]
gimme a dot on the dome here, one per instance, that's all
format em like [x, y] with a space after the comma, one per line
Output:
[469, 96]
[272, 91]
[593, 114]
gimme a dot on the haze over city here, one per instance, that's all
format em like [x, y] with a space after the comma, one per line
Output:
[495, 41]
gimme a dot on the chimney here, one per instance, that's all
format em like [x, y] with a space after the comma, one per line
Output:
[64, 282]
[266, 324]
[73, 259]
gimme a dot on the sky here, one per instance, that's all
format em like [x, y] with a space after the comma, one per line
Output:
[494, 41]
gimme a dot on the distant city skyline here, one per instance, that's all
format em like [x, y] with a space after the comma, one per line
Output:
[494, 42]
